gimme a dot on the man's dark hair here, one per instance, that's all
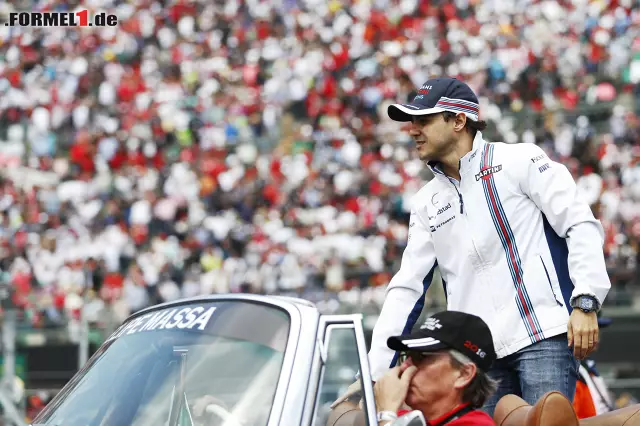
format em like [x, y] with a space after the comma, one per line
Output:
[472, 126]
[481, 386]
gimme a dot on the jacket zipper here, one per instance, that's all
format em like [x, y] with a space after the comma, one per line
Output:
[462, 212]
[459, 196]
[550, 285]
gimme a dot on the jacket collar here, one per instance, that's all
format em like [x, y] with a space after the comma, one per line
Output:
[466, 162]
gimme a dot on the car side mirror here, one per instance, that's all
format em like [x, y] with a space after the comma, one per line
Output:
[413, 418]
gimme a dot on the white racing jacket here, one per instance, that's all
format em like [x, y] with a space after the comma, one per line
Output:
[513, 244]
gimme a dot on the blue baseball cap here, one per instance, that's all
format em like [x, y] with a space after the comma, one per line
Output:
[439, 95]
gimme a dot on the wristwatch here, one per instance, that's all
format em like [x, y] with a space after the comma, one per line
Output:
[386, 416]
[585, 303]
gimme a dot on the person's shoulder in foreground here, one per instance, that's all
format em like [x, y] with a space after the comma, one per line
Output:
[474, 418]
[470, 418]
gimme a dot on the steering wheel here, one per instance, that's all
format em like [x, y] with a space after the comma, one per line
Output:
[209, 406]
[228, 419]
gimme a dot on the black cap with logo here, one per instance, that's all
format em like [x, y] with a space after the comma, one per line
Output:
[466, 333]
[439, 95]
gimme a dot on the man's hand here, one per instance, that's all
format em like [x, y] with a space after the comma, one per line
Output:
[391, 390]
[583, 333]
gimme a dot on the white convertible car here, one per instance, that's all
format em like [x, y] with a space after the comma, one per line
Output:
[232, 360]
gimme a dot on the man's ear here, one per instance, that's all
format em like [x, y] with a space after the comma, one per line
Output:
[460, 122]
[467, 373]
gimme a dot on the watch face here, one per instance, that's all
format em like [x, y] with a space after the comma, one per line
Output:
[586, 304]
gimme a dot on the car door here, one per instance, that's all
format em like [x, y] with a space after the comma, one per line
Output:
[340, 355]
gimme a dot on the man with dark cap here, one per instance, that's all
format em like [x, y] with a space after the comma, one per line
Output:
[441, 371]
[514, 244]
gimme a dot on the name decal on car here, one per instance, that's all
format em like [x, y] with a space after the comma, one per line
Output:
[184, 318]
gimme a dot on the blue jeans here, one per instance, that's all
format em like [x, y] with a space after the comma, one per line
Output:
[531, 372]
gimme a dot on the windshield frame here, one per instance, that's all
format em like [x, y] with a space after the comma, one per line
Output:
[286, 371]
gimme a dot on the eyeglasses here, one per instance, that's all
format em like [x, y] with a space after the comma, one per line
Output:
[418, 357]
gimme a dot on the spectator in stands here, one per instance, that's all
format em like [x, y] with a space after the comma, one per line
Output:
[258, 129]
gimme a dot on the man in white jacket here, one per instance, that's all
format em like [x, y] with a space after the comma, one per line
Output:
[514, 245]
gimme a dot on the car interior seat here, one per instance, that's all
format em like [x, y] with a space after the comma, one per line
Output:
[554, 409]
[347, 414]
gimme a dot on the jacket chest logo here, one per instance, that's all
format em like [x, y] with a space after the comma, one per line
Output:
[486, 173]
[444, 209]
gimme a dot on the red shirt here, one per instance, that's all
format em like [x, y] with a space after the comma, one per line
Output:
[471, 418]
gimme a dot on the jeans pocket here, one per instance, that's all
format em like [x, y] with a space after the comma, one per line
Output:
[575, 362]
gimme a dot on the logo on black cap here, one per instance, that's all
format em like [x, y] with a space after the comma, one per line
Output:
[431, 324]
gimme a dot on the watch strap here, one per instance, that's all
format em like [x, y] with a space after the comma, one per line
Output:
[386, 416]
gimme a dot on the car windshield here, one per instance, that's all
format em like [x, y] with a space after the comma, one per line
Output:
[188, 365]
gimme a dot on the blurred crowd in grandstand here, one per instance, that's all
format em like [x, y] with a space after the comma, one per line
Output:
[243, 146]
